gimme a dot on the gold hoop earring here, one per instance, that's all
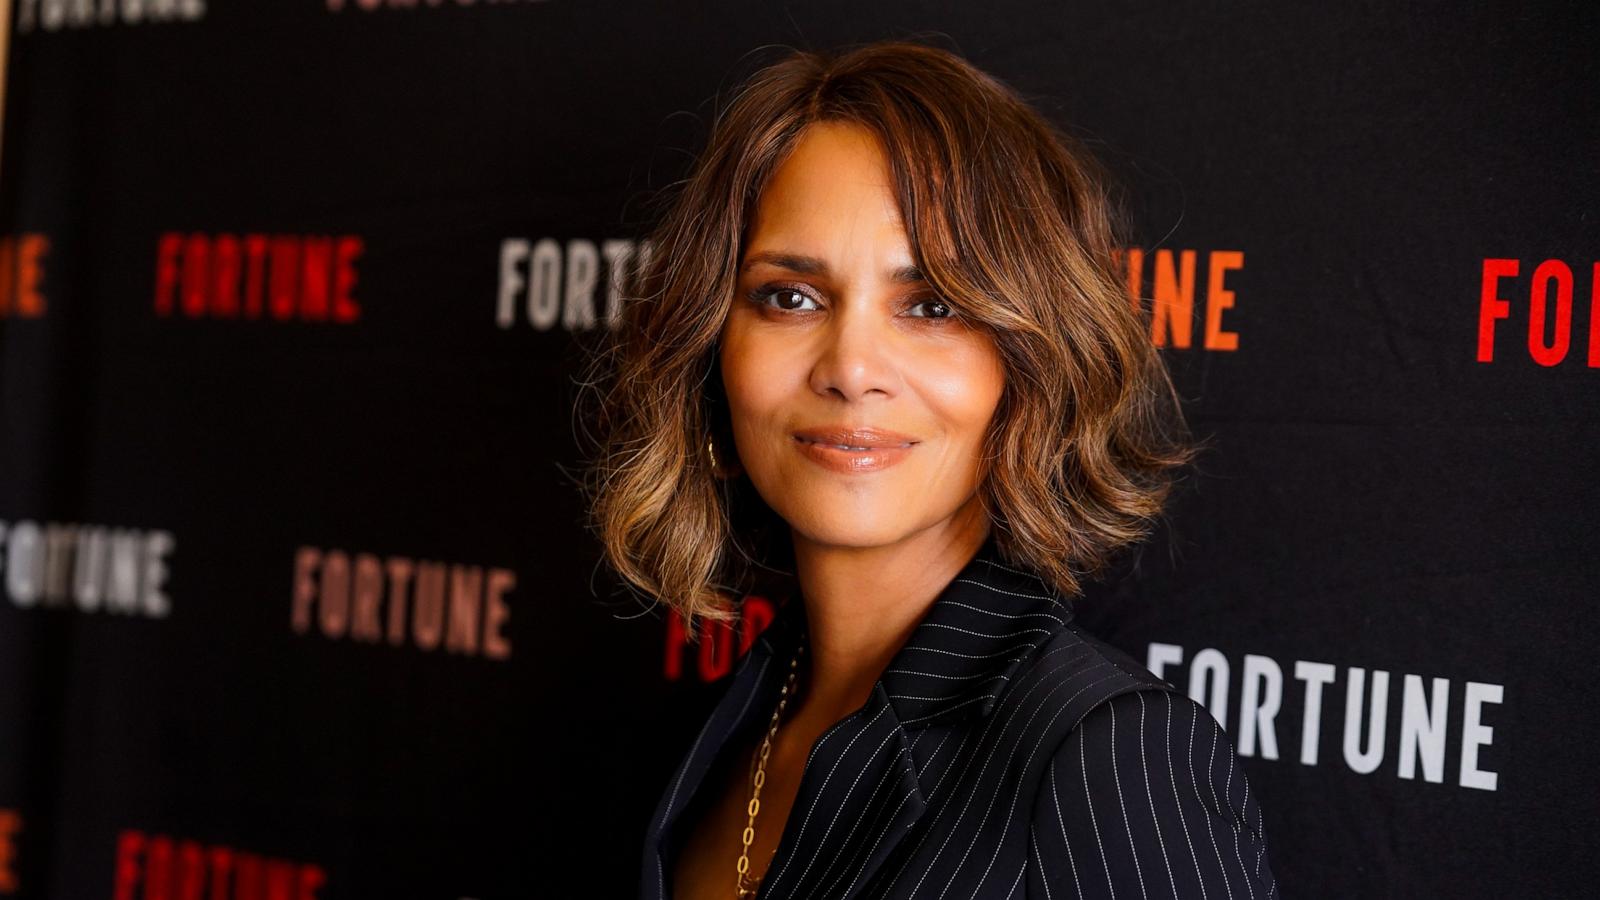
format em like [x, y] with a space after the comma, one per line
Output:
[716, 470]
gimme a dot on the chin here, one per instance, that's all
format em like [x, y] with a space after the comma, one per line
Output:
[837, 528]
[846, 511]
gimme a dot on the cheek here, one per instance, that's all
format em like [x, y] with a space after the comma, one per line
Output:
[964, 387]
[752, 376]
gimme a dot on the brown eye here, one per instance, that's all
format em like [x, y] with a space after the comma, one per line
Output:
[938, 309]
[784, 298]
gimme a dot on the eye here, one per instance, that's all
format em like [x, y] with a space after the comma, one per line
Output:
[787, 299]
[938, 309]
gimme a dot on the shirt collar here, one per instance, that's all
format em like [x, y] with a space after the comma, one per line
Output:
[969, 643]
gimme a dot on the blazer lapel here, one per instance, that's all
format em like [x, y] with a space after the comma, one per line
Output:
[862, 792]
[859, 797]
[750, 695]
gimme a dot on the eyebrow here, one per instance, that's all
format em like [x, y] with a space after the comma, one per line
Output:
[811, 265]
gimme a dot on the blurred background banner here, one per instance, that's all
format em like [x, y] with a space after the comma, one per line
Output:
[294, 584]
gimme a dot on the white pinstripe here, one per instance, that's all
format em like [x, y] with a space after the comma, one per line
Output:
[1260, 834]
[1016, 881]
[930, 699]
[1221, 866]
[1144, 766]
[968, 677]
[1126, 825]
[1029, 575]
[1000, 615]
[983, 634]
[1055, 794]
[1233, 821]
[1089, 800]
[991, 587]
[968, 655]
[1173, 777]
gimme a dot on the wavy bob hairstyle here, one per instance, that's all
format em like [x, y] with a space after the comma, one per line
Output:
[1009, 219]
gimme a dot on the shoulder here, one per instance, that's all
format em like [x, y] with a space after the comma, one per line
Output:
[1112, 716]
[1144, 789]
[1072, 674]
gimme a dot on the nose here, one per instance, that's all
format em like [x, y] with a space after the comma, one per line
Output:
[855, 358]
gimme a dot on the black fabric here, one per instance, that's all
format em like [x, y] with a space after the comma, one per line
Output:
[984, 760]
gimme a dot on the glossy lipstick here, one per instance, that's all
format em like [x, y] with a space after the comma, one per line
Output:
[853, 450]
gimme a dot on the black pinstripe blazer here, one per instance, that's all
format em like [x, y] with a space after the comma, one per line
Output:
[1004, 753]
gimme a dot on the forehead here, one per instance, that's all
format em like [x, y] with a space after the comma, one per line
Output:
[835, 181]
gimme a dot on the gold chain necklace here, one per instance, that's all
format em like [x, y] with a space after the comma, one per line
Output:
[747, 887]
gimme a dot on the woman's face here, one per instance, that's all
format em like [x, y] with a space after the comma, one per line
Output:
[859, 406]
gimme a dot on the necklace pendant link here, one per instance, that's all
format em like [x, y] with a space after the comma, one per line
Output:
[746, 886]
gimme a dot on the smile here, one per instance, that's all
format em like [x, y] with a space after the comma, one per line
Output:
[853, 451]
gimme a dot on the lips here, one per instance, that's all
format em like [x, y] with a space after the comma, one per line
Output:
[857, 439]
[853, 451]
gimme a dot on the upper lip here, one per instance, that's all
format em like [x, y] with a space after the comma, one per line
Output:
[854, 437]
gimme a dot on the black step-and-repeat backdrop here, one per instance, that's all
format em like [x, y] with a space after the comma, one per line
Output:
[297, 598]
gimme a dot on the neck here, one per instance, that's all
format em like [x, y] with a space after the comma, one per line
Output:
[862, 603]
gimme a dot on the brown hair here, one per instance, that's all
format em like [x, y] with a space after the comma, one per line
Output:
[1008, 218]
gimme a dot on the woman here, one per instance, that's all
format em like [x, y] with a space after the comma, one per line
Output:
[880, 349]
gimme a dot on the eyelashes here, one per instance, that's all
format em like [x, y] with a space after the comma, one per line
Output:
[791, 299]
[936, 302]
[763, 296]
